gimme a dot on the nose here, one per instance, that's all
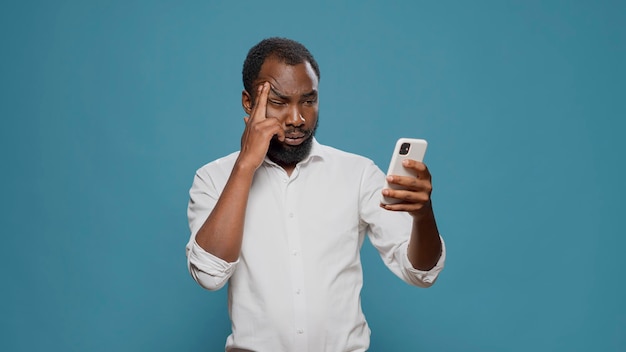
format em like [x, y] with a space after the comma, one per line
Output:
[295, 117]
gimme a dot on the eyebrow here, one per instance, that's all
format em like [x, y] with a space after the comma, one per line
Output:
[312, 93]
[278, 94]
[286, 97]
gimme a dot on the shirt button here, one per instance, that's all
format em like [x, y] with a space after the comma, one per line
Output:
[294, 253]
[300, 331]
[298, 291]
[291, 215]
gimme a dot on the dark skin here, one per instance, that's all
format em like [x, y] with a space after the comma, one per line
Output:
[286, 97]
[425, 245]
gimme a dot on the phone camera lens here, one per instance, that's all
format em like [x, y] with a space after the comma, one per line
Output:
[404, 148]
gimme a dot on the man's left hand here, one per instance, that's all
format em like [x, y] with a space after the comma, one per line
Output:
[415, 196]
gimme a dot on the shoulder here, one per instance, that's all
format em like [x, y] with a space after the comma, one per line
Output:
[337, 156]
[223, 165]
[336, 162]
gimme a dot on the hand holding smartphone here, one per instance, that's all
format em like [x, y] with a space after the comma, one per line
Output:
[406, 148]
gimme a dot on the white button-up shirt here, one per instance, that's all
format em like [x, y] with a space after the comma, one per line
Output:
[296, 285]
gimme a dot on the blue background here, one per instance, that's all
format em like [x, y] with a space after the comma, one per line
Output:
[109, 107]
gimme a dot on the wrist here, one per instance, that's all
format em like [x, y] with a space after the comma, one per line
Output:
[243, 166]
[425, 212]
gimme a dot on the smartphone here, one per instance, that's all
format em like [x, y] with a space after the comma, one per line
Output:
[406, 148]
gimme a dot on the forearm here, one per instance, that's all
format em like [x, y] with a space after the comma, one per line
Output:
[425, 245]
[222, 232]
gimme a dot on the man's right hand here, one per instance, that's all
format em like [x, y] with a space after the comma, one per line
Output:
[259, 131]
[222, 232]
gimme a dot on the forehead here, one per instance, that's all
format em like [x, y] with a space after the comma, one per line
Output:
[288, 79]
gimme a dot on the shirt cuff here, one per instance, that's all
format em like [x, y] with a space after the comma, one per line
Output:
[424, 278]
[210, 271]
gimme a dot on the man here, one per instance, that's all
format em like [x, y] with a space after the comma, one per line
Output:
[283, 219]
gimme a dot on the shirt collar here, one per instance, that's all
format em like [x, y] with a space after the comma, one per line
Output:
[316, 151]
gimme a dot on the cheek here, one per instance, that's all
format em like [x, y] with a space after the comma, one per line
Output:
[310, 115]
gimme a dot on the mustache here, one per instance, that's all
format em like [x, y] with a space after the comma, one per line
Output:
[304, 131]
[297, 130]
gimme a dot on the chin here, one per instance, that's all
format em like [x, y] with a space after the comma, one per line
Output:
[288, 154]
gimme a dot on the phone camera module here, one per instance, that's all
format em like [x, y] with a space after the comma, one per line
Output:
[404, 148]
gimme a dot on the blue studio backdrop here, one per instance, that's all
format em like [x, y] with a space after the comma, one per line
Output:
[109, 107]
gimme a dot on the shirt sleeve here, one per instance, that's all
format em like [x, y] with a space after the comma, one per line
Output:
[422, 278]
[390, 232]
[209, 271]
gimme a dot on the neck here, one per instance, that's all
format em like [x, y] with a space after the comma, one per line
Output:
[289, 169]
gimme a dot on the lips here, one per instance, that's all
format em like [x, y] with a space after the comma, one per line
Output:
[294, 138]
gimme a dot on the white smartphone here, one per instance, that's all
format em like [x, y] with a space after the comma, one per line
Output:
[406, 148]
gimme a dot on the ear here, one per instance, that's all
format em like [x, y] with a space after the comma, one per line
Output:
[246, 102]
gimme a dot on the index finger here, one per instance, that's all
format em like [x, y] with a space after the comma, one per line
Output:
[419, 167]
[260, 103]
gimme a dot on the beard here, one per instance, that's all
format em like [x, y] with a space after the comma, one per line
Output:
[284, 154]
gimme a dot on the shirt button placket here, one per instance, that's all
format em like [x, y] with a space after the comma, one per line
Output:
[296, 267]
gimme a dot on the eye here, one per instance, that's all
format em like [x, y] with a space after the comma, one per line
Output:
[310, 102]
[276, 102]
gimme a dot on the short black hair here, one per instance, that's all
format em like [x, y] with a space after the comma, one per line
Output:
[286, 50]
